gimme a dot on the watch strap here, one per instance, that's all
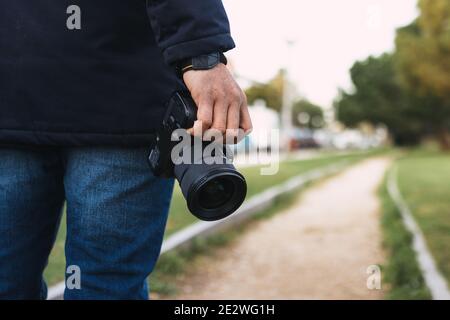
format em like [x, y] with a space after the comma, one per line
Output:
[202, 62]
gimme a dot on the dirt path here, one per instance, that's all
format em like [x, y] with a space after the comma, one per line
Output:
[319, 248]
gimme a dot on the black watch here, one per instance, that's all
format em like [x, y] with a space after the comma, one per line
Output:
[203, 62]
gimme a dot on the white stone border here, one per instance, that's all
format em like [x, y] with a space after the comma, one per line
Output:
[434, 280]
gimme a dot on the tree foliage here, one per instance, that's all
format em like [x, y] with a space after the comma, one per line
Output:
[378, 98]
[409, 90]
[271, 92]
[423, 50]
[307, 114]
[423, 62]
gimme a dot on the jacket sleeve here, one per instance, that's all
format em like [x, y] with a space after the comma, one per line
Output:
[188, 28]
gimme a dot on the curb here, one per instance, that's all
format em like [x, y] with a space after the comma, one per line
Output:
[434, 280]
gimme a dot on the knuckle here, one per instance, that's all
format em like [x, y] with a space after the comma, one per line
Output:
[197, 95]
[216, 90]
[235, 93]
[232, 133]
[204, 115]
[205, 122]
[222, 95]
[244, 97]
[222, 107]
[221, 128]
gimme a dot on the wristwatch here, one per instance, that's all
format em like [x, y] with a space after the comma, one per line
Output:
[202, 62]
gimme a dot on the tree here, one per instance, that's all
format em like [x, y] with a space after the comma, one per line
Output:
[306, 114]
[423, 61]
[378, 98]
[271, 92]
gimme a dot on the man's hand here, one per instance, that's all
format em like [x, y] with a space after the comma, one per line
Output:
[222, 105]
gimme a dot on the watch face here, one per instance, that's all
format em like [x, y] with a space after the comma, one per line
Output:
[206, 62]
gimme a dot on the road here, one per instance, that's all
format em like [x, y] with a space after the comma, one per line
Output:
[319, 248]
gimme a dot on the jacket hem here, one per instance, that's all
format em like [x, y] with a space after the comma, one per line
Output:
[13, 137]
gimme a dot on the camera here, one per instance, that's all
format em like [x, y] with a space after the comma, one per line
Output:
[211, 185]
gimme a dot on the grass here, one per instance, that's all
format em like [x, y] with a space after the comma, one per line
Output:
[401, 272]
[179, 216]
[424, 181]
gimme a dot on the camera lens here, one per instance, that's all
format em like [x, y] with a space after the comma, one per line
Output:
[212, 192]
[215, 193]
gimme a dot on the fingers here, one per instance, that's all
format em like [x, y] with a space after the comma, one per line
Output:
[245, 120]
[222, 106]
[233, 119]
[204, 116]
[220, 115]
[220, 120]
[228, 117]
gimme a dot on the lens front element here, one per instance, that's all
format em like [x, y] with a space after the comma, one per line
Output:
[215, 193]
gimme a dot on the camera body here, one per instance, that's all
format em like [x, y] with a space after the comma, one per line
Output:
[180, 114]
[211, 185]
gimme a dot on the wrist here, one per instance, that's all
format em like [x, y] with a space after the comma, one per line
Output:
[202, 62]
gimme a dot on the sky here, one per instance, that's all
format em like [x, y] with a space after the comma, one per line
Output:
[327, 37]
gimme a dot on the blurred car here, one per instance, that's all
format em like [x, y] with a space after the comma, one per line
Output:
[303, 138]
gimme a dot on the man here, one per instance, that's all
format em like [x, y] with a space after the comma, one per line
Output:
[83, 86]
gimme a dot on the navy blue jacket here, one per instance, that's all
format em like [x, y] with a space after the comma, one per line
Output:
[106, 83]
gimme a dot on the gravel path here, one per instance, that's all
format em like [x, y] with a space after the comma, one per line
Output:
[320, 248]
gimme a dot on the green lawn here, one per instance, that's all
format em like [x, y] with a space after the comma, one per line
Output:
[402, 278]
[424, 181]
[180, 217]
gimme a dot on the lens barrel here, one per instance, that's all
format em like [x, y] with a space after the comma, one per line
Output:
[212, 191]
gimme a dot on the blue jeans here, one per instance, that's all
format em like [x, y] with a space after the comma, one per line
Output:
[116, 216]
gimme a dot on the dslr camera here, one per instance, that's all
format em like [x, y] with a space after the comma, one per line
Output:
[211, 185]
